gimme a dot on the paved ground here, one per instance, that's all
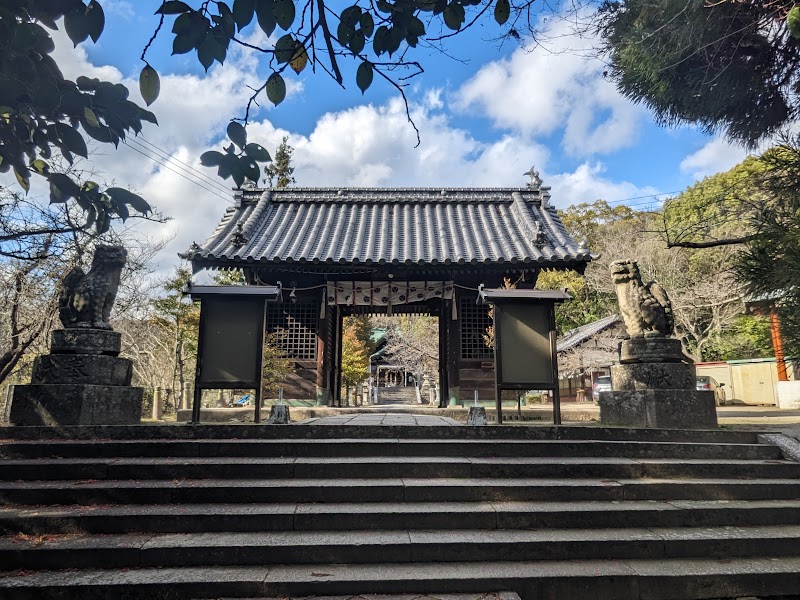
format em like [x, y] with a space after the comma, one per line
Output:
[381, 418]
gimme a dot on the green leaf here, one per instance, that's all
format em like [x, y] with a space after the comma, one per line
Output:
[257, 152]
[72, 139]
[121, 210]
[23, 178]
[384, 6]
[183, 43]
[209, 50]
[266, 20]
[285, 49]
[351, 15]
[381, 42]
[502, 10]
[90, 117]
[367, 24]
[243, 12]
[40, 166]
[173, 7]
[284, 12]
[212, 158]
[237, 134]
[149, 84]
[182, 23]
[62, 188]
[76, 24]
[123, 196]
[228, 24]
[357, 43]
[454, 16]
[276, 88]
[95, 20]
[250, 169]
[364, 76]
[345, 33]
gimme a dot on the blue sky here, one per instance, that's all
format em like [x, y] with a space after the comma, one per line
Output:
[483, 120]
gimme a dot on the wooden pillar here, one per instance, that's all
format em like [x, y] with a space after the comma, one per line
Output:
[337, 371]
[444, 392]
[453, 351]
[777, 345]
[324, 362]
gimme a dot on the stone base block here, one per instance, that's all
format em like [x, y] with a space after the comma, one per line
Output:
[653, 376]
[81, 340]
[279, 415]
[662, 409]
[82, 368]
[477, 416]
[76, 404]
[650, 349]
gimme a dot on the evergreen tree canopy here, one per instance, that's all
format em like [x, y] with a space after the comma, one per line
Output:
[729, 66]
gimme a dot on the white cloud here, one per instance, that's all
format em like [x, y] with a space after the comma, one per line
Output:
[587, 184]
[540, 91]
[716, 156]
[365, 145]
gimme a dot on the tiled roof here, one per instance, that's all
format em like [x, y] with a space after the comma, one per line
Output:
[577, 336]
[397, 226]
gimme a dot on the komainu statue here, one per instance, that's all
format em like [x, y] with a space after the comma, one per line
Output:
[85, 299]
[646, 309]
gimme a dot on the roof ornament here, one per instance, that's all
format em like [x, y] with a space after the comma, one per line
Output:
[249, 185]
[536, 180]
[194, 248]
[238, 238]
[539, 237]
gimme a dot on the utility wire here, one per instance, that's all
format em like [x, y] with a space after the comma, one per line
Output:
[166, 155]
[166, 166]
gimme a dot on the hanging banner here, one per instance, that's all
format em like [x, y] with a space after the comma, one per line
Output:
[386, 293]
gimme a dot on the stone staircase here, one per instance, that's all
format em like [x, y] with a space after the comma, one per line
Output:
[397, 395]
[270, 511]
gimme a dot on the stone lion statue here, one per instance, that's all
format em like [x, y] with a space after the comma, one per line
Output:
[85, 299]
[646, 309]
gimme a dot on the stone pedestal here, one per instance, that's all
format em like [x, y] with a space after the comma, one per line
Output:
[477, 415]
[81, 382]
[278, 415]
[652, 387]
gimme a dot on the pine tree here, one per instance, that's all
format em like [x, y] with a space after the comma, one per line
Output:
[280, 171]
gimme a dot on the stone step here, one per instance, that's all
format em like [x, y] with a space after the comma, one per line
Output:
[410, 490]
[199, 518]
[236, 448]
[266, 432]
[660, 579]
[79, 551]
[389, 467]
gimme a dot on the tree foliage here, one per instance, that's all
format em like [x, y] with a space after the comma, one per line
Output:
[355, 357]
[280, 171]
[41, 111]
[729, 66]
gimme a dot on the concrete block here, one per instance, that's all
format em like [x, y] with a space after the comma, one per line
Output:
[82, 368]
[477, 416]
[670, 409]
[76, 404]
[787, 394]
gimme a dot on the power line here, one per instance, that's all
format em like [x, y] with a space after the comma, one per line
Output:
[166, 166]
[168, 156]
[164, 155]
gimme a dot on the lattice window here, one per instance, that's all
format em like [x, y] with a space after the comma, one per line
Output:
[295, 326]
[474, 321]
